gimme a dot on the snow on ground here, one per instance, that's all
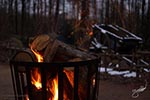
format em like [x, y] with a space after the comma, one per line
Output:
[113, 72]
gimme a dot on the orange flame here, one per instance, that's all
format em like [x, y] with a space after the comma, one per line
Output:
[38, 55]
[90, 33]
[36, 77]
[70, 76]
[54, 89]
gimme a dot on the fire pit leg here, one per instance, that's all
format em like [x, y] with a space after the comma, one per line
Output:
[76, 75]
[13, 80]
[43, 75]
[60, 83]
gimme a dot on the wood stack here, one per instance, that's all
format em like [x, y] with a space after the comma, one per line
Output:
[54, 50]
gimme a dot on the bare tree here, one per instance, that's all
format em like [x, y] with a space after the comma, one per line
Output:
[56, 15]
[102, 12]
[95, 10]
[23, 15]
[16, 15]
[107, 11]
[143, 10]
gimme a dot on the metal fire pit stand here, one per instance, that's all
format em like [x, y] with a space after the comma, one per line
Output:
[21, 77]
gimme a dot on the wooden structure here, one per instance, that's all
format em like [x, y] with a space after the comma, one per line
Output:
[116, 38]
[119, 49]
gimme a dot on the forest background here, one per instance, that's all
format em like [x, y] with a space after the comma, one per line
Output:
[25, 18]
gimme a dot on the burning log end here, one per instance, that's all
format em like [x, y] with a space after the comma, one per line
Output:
[25, 56]
[40, 42]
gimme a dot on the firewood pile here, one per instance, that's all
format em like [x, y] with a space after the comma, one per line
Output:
[53, 50]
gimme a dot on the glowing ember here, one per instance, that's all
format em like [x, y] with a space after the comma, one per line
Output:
[91, 33]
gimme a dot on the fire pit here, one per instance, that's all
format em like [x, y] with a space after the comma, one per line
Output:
[69, 80]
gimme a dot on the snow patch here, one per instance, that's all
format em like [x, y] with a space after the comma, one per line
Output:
[118, 72]
[113, 72]
[132, 74]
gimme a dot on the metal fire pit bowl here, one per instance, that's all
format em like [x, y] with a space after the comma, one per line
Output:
[21, 77]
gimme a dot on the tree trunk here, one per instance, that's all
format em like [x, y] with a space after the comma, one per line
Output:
[50, 16]
[56, 15]
[143, 12]
[23, 16]
[107, 12]
[16, 15]
[95, 10]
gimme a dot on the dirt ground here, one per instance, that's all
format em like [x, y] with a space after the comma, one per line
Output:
[114, 88]
[6, 87]
[118, 88]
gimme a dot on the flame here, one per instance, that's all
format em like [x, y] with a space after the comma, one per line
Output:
[53, 85]
[36, 77]
[38, 55]
[70, 76]
[90, 33]
[55, 89]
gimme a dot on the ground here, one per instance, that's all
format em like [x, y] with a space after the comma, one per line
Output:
[6, 87]
[110, 88]
[121, 89]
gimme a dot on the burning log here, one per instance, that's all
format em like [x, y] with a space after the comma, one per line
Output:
[40, 42]
[68, 88]
[36, 93]
[55, 50]
[59, 51]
